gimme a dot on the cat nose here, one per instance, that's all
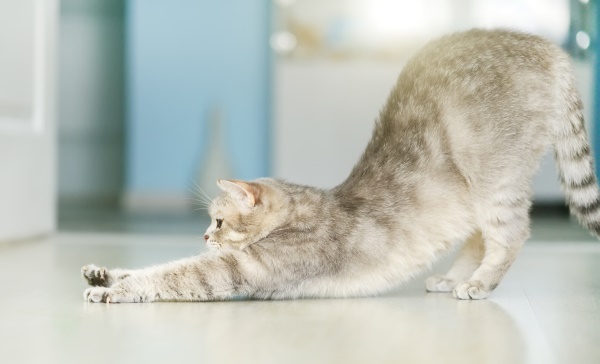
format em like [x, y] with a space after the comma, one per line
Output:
[205, 237]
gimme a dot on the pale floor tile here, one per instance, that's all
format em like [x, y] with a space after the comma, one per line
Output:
[547, 310]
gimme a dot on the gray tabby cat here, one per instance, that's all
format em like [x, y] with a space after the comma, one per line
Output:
[450, 162]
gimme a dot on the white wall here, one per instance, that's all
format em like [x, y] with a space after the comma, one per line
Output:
[323, 116]
[324, 112]
[27, 138]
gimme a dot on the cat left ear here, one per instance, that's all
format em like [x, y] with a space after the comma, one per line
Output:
[243, 191]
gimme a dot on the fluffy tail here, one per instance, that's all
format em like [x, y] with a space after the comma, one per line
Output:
[576, 165]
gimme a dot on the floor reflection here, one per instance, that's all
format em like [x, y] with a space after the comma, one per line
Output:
[420, 328]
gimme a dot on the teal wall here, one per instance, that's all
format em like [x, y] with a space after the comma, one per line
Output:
[185, 57]
[596, 106]
[595, 47]
[91, 107]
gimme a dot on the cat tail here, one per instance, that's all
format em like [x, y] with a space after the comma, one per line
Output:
[576, 164]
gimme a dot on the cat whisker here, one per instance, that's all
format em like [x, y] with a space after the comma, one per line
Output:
[199, 202]
[201, 190]
[195, 189]
[200, 198]
[199, 195]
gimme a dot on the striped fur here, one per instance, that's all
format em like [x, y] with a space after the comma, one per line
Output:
[576, 165]
[449, 166]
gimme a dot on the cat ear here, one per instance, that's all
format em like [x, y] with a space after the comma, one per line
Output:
[243, 191]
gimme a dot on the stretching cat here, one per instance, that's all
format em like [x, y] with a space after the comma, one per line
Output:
[450, 161]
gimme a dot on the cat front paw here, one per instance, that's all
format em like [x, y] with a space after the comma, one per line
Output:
[439, 283]
[110, 295]
[97, 295]
[95, 276]
[471, 290]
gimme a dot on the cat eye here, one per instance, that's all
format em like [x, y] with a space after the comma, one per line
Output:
[219, 223]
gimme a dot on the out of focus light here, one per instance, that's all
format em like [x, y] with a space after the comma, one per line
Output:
[583, 40]
[553, 22]
[390, 17]
[395, 28]
[283, 42]
[392, 22]
[584, 1]
[285, 2]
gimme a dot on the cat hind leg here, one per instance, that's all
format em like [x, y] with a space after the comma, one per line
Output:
[468, 259]
[505, 227]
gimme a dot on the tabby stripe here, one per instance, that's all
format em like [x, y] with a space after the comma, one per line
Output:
[234, 270]
[518, 202]
[587, 209]
[500, 222]
[579, 154]
[251, 250]
[172, 285]
[208, 289]
[595, 227]
[575, 172]
[584, 182]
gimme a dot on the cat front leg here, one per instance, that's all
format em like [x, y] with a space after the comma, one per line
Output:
[207, 277]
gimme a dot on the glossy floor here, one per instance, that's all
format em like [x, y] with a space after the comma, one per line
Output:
[547, 310]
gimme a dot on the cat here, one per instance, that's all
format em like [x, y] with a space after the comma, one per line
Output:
[449, 166]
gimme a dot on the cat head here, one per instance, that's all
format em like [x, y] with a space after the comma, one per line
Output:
[245, 212]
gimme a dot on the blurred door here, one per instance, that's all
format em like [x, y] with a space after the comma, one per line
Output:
[27, 167]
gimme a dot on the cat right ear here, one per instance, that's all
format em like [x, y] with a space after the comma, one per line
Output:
[246, 192]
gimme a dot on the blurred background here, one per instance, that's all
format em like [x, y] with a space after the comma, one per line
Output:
[113, 113]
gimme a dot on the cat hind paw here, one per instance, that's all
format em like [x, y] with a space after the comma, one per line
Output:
[439, 283]
[471, 290]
